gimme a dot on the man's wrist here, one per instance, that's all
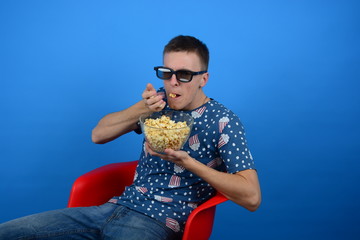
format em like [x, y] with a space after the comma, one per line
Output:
[190, 162]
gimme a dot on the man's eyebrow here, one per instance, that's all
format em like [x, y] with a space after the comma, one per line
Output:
[184, 69]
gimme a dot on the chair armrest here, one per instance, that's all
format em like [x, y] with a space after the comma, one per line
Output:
[99, 185]
[199, 223]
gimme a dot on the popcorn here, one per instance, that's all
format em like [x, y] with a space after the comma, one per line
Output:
[162, 133]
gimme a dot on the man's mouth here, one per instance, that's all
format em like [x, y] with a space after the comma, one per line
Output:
[173, 95]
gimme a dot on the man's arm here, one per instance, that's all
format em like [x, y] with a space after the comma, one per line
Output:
[116, 124]
[119, 123]
[243, 187]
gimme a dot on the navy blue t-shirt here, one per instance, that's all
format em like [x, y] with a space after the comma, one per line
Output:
[168, 192]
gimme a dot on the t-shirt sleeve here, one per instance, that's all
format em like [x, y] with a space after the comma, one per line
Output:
[232, 145]
[138, 129]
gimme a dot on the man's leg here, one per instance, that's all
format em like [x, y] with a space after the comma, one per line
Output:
[131, 225]
[74, 223]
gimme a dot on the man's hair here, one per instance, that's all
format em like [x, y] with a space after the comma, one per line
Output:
[189, 44]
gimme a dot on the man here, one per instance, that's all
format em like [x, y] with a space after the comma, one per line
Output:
[167, 186]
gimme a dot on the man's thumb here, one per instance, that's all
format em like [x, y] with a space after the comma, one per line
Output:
[149, 87]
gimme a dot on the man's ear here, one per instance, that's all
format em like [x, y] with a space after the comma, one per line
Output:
[204, 79]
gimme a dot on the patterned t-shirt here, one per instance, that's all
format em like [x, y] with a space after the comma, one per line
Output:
[168, 192]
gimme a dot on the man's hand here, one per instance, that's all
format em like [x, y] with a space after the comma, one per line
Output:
[153, 101]
[180, 158]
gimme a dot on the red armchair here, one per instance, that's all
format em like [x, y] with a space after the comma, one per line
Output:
[98, 186]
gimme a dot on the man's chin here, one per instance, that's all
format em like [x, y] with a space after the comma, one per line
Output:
[175, 107]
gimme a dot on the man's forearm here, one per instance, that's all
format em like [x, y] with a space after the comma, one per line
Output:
[116, 124]
[241, 188]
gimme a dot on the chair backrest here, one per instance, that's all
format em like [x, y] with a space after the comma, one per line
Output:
[99, 185]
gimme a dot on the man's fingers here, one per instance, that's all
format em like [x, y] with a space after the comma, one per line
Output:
[149, 92]
[158, 106]
[153, 100]
[150, 87]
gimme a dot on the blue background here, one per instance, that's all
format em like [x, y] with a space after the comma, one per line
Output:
[289, 69]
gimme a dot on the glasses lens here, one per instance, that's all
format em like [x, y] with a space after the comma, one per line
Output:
[164, 73]
[184, 76]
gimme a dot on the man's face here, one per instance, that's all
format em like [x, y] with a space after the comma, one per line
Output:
[184, 96]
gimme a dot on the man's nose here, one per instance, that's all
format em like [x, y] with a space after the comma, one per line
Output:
[173, 80]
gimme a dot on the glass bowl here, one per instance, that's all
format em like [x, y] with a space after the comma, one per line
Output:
[166, 129]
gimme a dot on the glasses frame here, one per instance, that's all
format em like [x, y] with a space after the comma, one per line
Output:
[176, 73]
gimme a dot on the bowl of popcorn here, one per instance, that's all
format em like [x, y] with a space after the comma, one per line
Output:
[166, 129]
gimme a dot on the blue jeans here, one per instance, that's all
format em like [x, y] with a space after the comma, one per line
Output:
[108, 221]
